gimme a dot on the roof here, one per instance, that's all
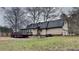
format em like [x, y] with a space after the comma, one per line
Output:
[49, 24]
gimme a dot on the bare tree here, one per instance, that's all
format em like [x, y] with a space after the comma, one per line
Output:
[34, 13]
[74, 16]
[72, 20]
[15, 18]
[48, 13]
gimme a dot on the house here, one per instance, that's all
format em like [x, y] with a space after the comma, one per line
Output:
[55, 27]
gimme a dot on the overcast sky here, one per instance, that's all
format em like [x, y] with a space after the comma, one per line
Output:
[2, 22]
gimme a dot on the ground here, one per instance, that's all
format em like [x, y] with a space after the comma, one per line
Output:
[55, 43]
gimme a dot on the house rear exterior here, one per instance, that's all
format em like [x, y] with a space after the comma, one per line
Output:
[55, 27]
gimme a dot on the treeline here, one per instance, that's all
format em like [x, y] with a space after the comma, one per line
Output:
[5, 31]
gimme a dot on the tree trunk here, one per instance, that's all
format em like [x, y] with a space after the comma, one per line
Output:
[46, 30]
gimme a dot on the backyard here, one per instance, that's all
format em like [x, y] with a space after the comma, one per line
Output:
[55, 43]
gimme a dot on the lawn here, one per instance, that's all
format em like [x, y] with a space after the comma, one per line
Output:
[56, 43]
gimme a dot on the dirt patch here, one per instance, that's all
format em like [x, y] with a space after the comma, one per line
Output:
[4, 38]
[9, 38]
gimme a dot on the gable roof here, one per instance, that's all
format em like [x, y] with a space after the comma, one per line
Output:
[49, 24]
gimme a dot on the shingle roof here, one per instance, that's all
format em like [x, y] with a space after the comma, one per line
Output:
[51, 24]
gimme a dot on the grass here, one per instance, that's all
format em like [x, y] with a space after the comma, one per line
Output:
[56, 43]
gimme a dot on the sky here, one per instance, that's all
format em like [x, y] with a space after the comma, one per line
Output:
[1, 17]
[2, 22]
